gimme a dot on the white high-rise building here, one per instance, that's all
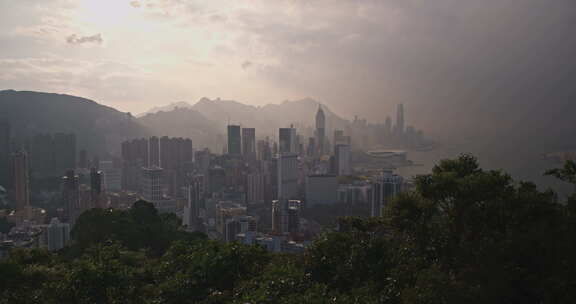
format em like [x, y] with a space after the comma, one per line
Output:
[384, 188]
[151, 184]
[55, 235]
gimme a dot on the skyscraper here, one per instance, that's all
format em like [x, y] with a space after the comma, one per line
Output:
[71, 196]
[255, 188]
[234, 140]
[195, 201]
[264, 150]
[202, 161]
[384, 187]
[154, 151]
[287, 176]
[287, 140]
[342, 159]
[20, 180]
[4, 153]
[152, 184]
[57, 235]
[321, 131]
[286, 216]
[400, 121]
[311, 151]
[96, 189]
[249, 143]
[112, 176]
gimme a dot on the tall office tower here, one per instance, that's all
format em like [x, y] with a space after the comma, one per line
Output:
[141, 146]
[170, 162]
[286, 216]
[71, 196]
[152, 184]
[96, 189]
[338, 137]
[400, 120]
[202, 161]
[342, 158]
[384, 187]
[154, 151]
[195, 202]
[20, 178]
[287, 176]
[287, 140]
[249, 143]
[112, 176]
[341, 139]
[234, 140]
[4, 153]
[58, 235]
[321, 131]
[255, 188]
[388, 126]
[83, 159]
[311, 151]
[264, 150]
[183, 167]
[64, 151]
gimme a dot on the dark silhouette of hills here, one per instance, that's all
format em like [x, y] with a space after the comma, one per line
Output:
[166, 108]
[184, 122]
[266, 119]
[98, 128]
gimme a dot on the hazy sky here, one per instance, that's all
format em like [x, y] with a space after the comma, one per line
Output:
[360, 57]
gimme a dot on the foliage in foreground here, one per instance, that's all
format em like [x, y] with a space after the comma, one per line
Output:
[464, 235]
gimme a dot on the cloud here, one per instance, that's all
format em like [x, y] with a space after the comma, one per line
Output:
[100, 79]
[75, 39]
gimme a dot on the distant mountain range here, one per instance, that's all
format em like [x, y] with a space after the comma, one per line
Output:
[206, 120]
[98, 128]
[101, 129]
[167, 108]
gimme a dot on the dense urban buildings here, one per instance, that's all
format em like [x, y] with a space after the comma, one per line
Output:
[262, 190]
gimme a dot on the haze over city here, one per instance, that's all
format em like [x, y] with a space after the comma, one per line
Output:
[287, 151]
